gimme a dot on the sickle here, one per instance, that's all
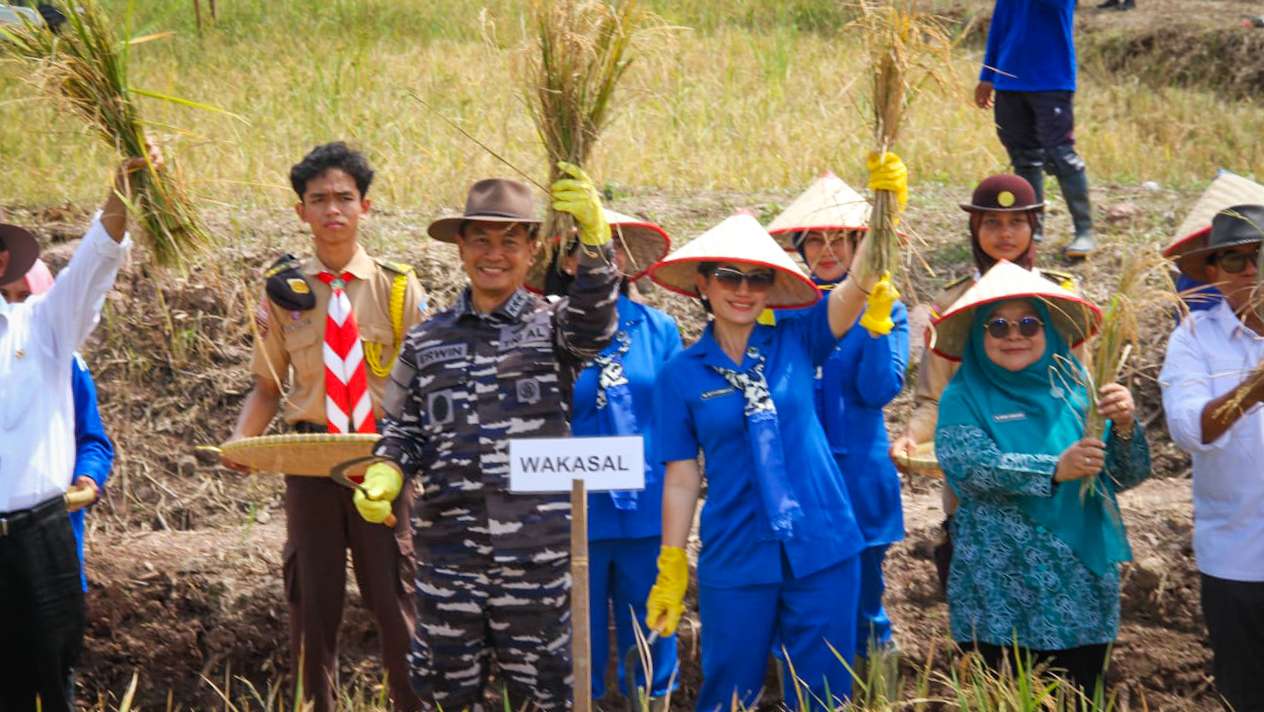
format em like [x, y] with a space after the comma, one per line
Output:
[339, 474]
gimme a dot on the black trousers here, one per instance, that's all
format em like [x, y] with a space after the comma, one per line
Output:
[41, 608]
[1234, 611]
[1081, 666]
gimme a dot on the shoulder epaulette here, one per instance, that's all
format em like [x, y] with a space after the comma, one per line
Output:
[286, 285]
[400, 267]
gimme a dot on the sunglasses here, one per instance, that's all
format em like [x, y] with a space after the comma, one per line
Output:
[758, 281]
[1234, 262]
[999, 328]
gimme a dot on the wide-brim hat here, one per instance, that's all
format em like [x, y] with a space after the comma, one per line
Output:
[23, 251]
[828, 204]
[311, 454]
[1074, 317]
[489, 200]
[740, 239]
[1003, 193]
[642, 242]
[1235, 225]
[1228, 189]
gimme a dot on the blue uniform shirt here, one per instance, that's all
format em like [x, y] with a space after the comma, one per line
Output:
[655, 340]
[1030, 46]
[695, 408]
[94, 453]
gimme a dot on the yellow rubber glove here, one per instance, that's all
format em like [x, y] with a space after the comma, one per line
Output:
[578, 197]
[878, 306]
[667, 599]
[888, 172]
[382, 482]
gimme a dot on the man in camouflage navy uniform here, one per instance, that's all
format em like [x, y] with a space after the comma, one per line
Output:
[493, 576]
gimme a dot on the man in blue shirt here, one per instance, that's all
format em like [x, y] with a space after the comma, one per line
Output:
[1030, 68]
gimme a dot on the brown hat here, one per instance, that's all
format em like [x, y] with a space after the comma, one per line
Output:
[23, 251]
[1006, 193]
[490, 200]
[1238, 225]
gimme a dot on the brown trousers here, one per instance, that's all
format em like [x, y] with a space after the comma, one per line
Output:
[321, 522]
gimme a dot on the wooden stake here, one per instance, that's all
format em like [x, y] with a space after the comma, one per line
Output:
[581, 641]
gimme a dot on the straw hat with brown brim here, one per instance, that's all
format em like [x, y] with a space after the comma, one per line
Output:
[23, 250]
[739, 239]
[1075, 318]
[1233, 226]
[827, 204]
[1228, 189]
[310, 454]
[491, 200]
[643, 243]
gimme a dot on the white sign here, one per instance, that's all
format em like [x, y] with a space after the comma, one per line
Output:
[549, 464]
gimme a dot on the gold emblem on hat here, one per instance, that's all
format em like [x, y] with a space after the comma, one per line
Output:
[1005, 198]
[298, 286]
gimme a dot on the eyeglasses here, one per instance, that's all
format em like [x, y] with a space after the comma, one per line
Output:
[999, 328]
[758, 281]
[1234, 262]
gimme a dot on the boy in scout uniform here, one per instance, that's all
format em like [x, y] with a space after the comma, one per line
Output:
[334, 321]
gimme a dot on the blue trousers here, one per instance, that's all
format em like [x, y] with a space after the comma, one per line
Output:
[806, 619]
[873, 624]
[621, 572]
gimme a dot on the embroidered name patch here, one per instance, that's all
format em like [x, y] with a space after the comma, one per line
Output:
[1009, 417]
[531, 334]
[435, 354]
[708, 395]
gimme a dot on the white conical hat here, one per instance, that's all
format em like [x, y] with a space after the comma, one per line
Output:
[1074, 317]
[1227, 190]
[642, 242]
[740, 239]
[827, 204]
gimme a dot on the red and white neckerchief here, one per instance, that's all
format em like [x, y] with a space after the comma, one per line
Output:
[348, 408]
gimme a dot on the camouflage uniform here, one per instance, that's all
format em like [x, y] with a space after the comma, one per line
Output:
[493, 567]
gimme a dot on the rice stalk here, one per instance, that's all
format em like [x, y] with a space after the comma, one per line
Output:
[567, 76]
[906, 48]
[84, 68]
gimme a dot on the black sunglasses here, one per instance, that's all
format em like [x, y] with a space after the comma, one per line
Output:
[1234, 262]
[759, 281]
[999, 328]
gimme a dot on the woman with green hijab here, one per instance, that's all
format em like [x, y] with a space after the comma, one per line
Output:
[1038, 534]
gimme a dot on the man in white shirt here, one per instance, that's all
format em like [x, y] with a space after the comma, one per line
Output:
[1212, 395]
[41, 601]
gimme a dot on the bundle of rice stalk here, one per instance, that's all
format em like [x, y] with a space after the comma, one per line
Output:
[84, 67]
[906, 48]
[568, 76]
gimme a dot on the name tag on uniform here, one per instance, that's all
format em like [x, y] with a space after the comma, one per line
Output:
[434, 354]
[1009, 417]
[550, 464]
[536, 334]
[708, 395]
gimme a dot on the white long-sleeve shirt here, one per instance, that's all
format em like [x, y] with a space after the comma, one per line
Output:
[1209, 354]
[38, 339]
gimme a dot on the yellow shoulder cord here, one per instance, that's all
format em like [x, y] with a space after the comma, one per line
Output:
[373, 351]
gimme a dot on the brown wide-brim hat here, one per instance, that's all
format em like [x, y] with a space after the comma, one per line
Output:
[309, 454]
[1227, 190]
[491, 200]
[23, 251]
[1074, 317]
[1235, 225]
[642, 242]
[1003, 193]
[829, 204]
[739, 239]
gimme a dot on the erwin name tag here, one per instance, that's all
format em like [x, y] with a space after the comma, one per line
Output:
[549, 464]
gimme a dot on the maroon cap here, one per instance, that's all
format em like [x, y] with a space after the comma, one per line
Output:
[1005, 193]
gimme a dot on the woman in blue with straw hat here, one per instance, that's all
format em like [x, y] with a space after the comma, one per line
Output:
[1038, 534]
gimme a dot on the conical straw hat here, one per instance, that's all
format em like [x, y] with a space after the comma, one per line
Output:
[643, 243]
[739, 239]
[1227, 190]
[827, 204]
[1074, 317]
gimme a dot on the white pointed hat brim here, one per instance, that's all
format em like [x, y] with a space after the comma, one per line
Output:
[828, 204]
[739, 239]
[1227, 190]
[1074, 317]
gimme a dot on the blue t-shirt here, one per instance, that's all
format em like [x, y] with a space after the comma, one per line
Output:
[655, 340]
[94, 453]
[1030, 46]
[696, 409]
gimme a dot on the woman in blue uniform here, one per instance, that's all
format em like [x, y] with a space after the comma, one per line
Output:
[613, 396]
[866, 371]
[779, 564]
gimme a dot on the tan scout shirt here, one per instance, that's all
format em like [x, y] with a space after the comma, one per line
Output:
[295, 340]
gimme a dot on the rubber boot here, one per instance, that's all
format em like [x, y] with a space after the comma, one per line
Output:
[1074, 186]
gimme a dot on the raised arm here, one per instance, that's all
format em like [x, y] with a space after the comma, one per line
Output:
[883, 360]
[587, 320]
